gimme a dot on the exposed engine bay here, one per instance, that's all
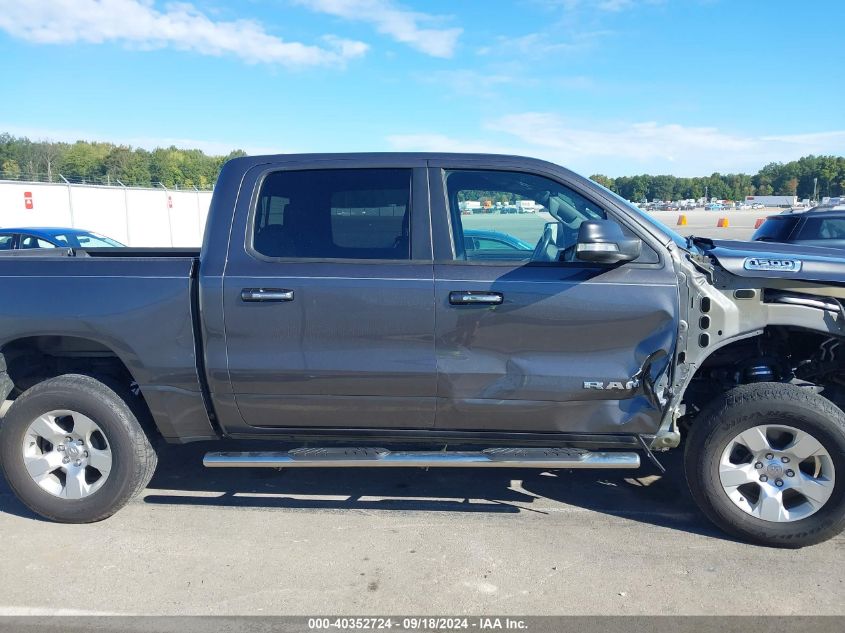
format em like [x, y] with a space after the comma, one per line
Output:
[743, 326]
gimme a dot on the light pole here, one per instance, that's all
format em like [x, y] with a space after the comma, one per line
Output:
[69, 199]
[126, 210]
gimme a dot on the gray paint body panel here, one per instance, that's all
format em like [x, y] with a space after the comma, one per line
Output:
[137, 307]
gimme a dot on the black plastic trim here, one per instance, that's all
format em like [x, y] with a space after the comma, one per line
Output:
[199, 354]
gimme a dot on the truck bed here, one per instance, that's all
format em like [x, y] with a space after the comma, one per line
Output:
[39, 253]
[135, 304]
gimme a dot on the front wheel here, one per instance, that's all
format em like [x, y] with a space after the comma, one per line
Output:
[73, 451]
[766, 463]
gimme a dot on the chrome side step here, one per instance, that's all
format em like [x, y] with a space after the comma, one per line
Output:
[381, 457]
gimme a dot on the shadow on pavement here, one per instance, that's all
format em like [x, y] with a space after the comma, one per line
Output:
[638, 495]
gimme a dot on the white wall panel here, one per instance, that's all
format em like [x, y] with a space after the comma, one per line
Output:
[134, 216]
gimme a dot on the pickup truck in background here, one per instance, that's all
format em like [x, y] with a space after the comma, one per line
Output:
[335, 312]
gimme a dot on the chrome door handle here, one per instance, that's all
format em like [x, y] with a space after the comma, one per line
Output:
[473, 297]
[266, 295]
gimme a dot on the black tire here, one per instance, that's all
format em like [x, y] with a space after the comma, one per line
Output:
[743, 408]
[133, 457]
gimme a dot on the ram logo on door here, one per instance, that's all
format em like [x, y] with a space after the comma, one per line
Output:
[612, 385]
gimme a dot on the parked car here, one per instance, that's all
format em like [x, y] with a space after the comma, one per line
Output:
[28, 238]
[489, 244]
[816, 227]
[758, 205]
[714, 206]
[305, 321]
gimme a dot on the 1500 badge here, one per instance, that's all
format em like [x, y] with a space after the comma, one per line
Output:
[773, 265]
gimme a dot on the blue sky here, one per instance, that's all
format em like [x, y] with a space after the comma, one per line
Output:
[602, 86]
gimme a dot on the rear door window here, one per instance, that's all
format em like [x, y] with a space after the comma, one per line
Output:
[823, 229]
[30, 241]
[334, 214]
[6, 242]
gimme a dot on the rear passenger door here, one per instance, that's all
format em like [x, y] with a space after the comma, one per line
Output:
[328, 297]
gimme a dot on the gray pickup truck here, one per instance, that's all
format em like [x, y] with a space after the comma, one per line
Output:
[383, 310]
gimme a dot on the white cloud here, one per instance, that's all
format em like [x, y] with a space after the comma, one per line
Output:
[615, 5]
[611, 6]
[542, 44]
[403, 25]
[179, 25]
[619, 148]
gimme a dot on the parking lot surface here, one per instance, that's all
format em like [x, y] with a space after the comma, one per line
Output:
[528, 227]
[370, 541]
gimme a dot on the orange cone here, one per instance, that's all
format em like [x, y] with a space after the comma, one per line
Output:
[682, 220]
[759, 223]
[723, 223]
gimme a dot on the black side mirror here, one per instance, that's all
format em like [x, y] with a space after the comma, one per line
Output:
[603, 242]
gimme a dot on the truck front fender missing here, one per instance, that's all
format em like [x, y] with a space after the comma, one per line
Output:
[722, 312]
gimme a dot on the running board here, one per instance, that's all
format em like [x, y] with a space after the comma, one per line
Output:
[381, 457]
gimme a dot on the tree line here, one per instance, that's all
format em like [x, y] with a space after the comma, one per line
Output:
[796, 178]
[106, 163]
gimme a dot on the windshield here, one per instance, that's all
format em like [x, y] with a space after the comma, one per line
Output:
[86, 240]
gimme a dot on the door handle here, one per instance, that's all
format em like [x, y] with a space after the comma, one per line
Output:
[266, 295]
[474, 297]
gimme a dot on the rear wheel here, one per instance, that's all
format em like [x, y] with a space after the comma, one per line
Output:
[73, 450]
[766, 462]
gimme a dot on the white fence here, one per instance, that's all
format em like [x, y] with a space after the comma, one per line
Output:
[132, 215]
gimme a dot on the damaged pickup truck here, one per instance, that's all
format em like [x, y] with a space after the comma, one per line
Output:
[384, 310]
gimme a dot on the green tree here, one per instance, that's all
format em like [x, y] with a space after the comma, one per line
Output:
[10, 169]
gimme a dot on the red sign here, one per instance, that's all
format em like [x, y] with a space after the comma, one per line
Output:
[27, 199]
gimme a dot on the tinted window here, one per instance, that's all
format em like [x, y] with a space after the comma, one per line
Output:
[29, 241]
[823, 229]
[334, 213]
[506, 215]
[5, 242]
[86, 240]
[775, 230]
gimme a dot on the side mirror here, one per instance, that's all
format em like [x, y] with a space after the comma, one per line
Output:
[603, 242]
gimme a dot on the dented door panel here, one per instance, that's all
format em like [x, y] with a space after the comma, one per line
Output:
[571, 348]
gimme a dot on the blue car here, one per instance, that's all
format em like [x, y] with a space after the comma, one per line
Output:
[12, 239]
[494, 243]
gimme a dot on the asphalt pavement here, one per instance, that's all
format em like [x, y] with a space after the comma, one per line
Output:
[395, 541]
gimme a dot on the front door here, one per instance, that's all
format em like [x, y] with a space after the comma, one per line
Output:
[528, 337]
[328, 308]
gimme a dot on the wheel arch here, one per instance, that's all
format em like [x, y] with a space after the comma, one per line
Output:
[797, 343]
[32, 359]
